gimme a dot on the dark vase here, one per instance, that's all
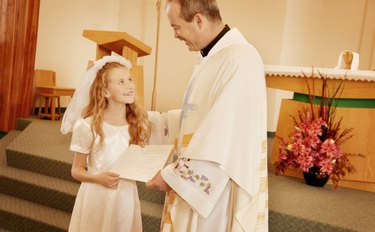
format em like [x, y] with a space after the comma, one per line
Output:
[315, 178]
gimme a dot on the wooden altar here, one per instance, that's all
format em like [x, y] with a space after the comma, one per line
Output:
[359, 114]
[123, 44]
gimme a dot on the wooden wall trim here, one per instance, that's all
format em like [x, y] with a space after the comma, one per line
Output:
[18, 27]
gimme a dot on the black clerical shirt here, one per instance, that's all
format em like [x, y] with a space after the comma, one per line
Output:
[206, 50]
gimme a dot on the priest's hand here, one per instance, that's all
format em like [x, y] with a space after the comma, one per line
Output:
[158, 183]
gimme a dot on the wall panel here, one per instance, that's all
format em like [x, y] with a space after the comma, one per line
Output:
[18, 27]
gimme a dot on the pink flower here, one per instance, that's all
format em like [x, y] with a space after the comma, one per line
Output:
[298, 147]
[283, 155]
[305, 162]
[315, 154]
[329, 147]
[305, 148]
[326, 166]
[303, 127]
[312, 143]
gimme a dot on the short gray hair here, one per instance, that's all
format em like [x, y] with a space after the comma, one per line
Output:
[189, 8]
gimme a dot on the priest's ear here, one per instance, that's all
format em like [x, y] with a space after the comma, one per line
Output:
[199, 19]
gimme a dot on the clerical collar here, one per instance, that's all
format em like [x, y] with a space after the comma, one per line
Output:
[206, 50]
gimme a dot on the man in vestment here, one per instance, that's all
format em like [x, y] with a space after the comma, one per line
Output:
[219, 180]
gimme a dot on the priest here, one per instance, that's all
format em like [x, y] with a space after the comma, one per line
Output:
[218, 181]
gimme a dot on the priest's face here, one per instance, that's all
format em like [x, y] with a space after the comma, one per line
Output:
[183, 30]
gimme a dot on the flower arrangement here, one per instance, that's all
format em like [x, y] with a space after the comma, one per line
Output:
[315, 141]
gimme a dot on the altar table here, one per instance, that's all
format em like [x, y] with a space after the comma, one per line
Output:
[51, 94]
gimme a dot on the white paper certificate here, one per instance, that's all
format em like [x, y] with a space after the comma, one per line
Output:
[142, 163]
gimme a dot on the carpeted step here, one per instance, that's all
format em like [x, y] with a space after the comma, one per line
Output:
[4, 142]
[44, 190]
[42, 143]
[150, 195]
[22, 123]
[21, 215]
[152, 202]
[60, 194]
[151, 216]
[38, 174]
[54, 192]
[45, 166]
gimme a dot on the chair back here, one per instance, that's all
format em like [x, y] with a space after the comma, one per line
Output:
[44, 77]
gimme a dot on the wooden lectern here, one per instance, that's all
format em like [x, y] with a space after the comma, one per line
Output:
[123, 44]
[357, 110]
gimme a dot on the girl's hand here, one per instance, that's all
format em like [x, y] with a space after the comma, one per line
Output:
[79, 172]
[107, 179]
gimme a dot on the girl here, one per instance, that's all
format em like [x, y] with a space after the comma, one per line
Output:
[102, 131]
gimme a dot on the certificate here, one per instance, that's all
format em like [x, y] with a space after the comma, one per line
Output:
[142, 163]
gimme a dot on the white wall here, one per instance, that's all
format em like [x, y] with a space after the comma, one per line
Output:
[286, 32]
[175, 63]
[367, 43]
[317, 31]
[60, 44]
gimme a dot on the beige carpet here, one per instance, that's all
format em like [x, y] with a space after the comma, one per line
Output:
[343, 208]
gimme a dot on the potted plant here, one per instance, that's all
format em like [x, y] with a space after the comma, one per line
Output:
[314, 144]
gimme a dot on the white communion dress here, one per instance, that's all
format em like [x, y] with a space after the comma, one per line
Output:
[98, 208]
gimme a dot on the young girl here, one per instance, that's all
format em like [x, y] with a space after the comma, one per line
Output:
[102, 131]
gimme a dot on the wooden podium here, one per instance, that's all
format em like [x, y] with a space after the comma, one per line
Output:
[123, 44]
[358, 113]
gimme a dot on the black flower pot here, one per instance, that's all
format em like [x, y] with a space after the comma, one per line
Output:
[315, 178]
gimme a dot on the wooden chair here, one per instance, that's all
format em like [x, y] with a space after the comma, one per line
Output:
[47, 92]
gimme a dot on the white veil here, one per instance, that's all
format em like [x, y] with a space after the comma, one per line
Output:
[80, 97]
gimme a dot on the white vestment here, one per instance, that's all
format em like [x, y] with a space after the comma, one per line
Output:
[219, 180]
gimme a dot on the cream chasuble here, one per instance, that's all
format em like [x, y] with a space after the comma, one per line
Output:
[219, 180]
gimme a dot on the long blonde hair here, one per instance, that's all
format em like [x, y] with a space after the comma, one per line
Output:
[139, 125]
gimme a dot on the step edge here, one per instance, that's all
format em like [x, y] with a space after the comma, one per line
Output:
[35, 212]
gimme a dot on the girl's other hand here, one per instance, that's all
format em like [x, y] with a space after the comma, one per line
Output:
[108, 179]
